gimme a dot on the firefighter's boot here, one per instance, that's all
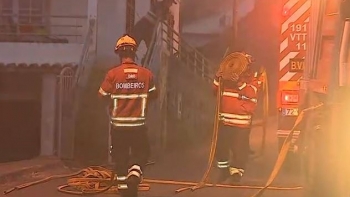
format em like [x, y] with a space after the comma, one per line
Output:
[222, 175]
[235, 175]
[133, 184]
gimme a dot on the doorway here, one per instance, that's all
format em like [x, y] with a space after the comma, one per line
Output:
[20, 126]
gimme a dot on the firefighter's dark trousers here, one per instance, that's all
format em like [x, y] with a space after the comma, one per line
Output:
[237, 140]
[250, 131]
[130, 152]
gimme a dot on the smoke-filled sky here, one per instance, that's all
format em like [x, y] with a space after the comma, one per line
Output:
[206, 19]
[195, 9]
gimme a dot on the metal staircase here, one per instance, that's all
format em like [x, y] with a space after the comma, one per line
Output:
[186, 54]
[175, 44]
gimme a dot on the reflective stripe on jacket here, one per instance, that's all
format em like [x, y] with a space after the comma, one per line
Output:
[256, 82]
[238, 103]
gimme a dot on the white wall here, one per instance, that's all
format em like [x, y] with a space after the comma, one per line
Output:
[111, 25]
[39, 53]
[142, 7]
[74, 10]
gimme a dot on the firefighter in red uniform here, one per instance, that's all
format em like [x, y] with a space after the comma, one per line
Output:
[128, 87]
[238, 103]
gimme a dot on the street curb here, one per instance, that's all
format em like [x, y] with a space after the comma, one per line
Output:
[15, 175]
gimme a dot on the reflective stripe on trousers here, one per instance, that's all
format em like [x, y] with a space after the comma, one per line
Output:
[128, 121]
[121, 182]
[223, 164]
[122, 186]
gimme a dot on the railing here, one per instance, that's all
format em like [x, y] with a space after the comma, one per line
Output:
[49, 29]
[86, 49]
[193, 59]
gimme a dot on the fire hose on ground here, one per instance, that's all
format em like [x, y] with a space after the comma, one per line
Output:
[97, 179]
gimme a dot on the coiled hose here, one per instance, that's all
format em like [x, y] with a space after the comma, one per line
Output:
[232, 66]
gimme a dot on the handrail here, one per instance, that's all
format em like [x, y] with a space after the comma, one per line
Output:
[85, 51]
[192, 56]
[183, 42]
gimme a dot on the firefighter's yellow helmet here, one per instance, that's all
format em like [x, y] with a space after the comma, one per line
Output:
[125, 41]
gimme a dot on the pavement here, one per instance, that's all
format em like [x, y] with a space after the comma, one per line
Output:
[188, 165]
[11, 171]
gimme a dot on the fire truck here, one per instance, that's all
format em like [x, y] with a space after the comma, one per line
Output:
[292, 52]
[326, 131]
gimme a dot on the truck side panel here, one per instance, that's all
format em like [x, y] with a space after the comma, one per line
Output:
[319, 62]
[294, 29]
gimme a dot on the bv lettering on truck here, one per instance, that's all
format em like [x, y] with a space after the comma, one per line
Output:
[296, 65]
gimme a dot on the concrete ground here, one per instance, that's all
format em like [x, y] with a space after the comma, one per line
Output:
[188, 166]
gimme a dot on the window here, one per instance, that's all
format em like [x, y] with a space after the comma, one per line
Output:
[31, 11]
[6, 22]
[24, 15]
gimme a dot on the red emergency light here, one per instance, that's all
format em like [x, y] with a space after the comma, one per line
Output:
[290, 97]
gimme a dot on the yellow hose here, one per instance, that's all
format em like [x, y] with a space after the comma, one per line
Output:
[232, 66]
[96, 179]
[265, 103]
[284, 150]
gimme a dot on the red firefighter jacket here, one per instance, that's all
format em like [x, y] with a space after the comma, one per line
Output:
[130, 87]
[238, 103]
[256, 82]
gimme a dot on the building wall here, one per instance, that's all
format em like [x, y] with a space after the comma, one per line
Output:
[40, 53]
[20, 86]
[191, 107]
[71, 21]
